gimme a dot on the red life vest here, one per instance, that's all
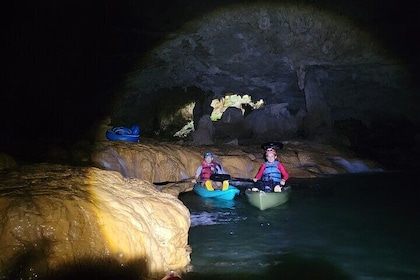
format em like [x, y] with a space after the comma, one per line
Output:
[207, 169]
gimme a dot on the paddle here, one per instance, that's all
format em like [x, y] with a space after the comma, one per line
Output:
[242, 179]
[214, 177]
[223, 177]
[220, 177]
[173, 182]
[241, 182]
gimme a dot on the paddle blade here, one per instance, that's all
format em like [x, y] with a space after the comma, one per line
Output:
[220, 177]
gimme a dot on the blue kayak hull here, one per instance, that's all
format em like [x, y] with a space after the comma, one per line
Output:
[228, 194]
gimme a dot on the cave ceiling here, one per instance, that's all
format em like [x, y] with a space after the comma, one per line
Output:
[72, 63]
[316, 61]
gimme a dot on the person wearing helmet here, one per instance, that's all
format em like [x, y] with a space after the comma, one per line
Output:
[207, 168]
[272, 175]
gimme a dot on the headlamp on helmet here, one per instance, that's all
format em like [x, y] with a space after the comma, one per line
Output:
[270, 151]
[208, 154]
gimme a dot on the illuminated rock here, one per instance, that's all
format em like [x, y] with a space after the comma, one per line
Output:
[55, 218]
[111, 221]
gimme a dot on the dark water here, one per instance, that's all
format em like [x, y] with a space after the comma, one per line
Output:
[363, 226]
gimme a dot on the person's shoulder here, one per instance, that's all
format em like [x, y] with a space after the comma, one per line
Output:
[280, 164]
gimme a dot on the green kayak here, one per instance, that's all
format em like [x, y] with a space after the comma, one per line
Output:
[264, 200]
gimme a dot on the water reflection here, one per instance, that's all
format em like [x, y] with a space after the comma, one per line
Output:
[212, 211]
[342, 227]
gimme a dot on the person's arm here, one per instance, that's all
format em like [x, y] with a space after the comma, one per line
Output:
[222, 170]
[284, 173]
[259, 173]
[219, 169]
[197, 174]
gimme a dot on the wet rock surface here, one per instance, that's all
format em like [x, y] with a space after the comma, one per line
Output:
[57, 218]
[109, 214]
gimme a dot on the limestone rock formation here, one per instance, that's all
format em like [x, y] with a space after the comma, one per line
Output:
[59, 220]
[272, 121]
[313, 61]
[204, 133]
[324, 68]
[165, 161]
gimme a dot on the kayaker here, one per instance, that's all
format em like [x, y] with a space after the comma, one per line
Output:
[207, 168]
[272, 175]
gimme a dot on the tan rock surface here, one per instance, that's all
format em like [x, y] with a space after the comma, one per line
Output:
[55, 216]
[159, 162]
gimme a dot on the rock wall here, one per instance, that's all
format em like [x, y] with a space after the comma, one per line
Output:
[163, 161]
[278, 53]
[58, 221]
